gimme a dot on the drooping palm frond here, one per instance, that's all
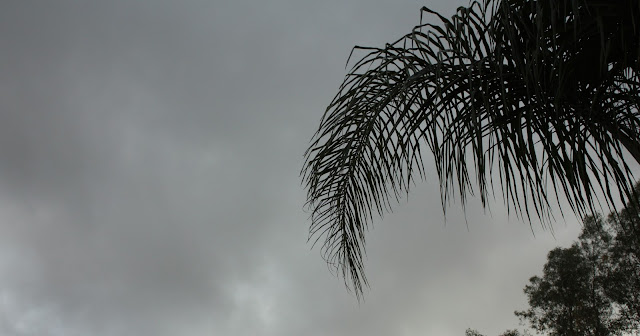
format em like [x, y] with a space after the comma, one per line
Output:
[541, 97]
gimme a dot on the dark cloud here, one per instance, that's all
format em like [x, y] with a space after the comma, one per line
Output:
[149, 161]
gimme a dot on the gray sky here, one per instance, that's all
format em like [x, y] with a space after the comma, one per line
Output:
[149, 161]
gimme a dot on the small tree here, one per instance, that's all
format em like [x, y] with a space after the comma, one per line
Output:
[471, 332]
[512, 332]
[623, 282]
[593, 287]
[566, 300]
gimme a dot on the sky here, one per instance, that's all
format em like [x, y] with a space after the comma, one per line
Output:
[150, 154]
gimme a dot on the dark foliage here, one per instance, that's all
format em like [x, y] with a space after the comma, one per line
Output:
[591, 288]
[533, 99]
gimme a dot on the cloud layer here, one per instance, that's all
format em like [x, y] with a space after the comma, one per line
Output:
[149, 161]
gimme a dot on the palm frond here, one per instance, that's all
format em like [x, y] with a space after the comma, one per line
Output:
[540, 96]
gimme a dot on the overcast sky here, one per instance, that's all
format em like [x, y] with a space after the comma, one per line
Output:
[149, 180]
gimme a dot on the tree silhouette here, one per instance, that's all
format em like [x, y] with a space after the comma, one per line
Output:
[534, 99]
[593, 286]
[512, 332]
[590, 288]
[563, 301]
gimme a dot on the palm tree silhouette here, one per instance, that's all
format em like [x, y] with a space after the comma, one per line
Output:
[541, 96]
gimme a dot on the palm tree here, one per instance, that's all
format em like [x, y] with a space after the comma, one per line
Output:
[540, 96]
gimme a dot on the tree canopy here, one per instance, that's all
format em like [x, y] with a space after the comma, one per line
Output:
[592, 287]
[512, 332]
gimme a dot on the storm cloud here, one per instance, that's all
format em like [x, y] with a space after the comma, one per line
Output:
[149, 180]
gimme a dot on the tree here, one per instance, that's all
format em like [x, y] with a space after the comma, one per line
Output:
[567, 300]
[512, 332]
[591, 288]
[471, 332]
[623, 282]
[540, 96]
